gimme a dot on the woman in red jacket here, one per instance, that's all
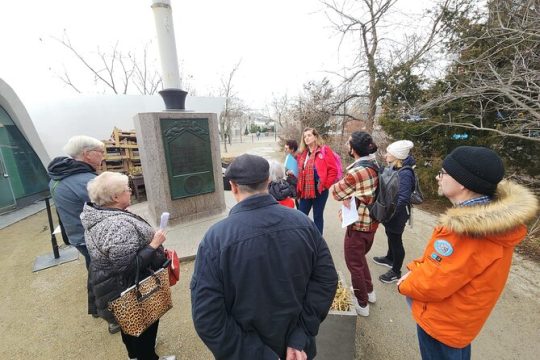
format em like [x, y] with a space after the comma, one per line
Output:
[317, 171]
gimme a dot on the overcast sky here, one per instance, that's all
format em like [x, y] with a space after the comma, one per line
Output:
[281, 43]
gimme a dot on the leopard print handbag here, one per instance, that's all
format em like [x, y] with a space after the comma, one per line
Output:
[141, 305]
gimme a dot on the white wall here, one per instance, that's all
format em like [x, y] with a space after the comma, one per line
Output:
[97, 115]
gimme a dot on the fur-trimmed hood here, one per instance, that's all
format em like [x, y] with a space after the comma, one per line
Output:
[512, 206]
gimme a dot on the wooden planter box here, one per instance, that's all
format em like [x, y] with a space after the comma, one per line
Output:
[337, 333]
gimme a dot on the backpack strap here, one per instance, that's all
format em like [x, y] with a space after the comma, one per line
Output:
[56, 182]
[406, 167]
[324, 150]
[368, 164]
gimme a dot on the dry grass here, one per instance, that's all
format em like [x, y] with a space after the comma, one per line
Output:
[342, 299]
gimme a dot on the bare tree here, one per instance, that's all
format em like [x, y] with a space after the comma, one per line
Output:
[364, 23]
[496, 75]
[114, 69]
[315, 106]
[279, 107]
[233, 106]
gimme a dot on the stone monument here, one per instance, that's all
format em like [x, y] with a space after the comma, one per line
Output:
[181, 162]
[179, 150]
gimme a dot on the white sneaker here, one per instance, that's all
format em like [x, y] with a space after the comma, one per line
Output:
[169, 357]
[371, 296]
[362, 311]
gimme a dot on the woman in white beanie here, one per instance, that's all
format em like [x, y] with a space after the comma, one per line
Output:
[397, 156]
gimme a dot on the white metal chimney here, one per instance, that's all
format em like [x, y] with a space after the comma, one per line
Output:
[167, 44]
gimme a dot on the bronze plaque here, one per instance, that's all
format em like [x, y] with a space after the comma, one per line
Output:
[188, 155]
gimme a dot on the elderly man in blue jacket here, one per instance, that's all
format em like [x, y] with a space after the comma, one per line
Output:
[69, 177]
[264, 278]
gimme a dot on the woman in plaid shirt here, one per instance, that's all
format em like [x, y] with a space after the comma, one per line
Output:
[361, 182]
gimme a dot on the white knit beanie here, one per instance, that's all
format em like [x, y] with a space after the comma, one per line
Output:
[400, 149]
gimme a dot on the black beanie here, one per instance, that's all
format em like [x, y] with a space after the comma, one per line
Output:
[477, 168]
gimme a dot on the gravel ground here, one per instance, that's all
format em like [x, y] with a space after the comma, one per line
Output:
[43, 313]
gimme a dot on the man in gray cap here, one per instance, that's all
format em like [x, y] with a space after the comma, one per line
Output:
[264, 278]
[454, 286]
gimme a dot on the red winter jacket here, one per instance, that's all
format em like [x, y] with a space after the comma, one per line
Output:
[326, 167]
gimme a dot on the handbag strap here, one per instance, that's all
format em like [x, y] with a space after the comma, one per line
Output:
[137, 271]
[140, 296]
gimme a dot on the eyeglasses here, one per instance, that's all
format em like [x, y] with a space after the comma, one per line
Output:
[442, 172]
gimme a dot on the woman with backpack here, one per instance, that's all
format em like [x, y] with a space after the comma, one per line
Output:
[397, 156]
[317, 171]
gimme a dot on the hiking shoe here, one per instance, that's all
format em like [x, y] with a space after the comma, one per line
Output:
[114, 328]
[389, 277]
[372, 297]
[382, 260]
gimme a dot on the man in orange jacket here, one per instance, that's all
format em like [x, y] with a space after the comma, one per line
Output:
[454, 286]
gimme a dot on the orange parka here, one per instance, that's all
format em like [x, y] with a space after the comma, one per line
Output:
[457, 281]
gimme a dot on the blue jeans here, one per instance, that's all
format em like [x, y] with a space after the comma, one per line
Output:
[432, 349]
[318, 205]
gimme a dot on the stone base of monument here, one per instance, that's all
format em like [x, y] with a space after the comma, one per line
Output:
[181, 163]
[185, 237]
[337, 333]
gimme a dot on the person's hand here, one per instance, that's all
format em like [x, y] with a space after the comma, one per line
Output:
[403, 278]
[293, 354]
[158, 239]
[347, 203]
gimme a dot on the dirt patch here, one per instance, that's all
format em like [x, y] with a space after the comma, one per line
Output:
[530, 248]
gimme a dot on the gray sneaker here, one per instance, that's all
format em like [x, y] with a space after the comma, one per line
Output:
[382, 260]
[389, 277]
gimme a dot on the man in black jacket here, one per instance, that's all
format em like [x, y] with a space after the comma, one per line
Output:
[264, 278]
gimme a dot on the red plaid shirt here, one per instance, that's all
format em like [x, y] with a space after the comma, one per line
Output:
[360, 182]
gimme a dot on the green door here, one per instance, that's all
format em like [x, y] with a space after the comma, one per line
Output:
[7, 197]
[21, 168]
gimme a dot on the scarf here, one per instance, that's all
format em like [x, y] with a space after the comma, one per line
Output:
[306, 175]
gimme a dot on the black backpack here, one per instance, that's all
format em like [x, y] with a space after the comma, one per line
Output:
[386, 196]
